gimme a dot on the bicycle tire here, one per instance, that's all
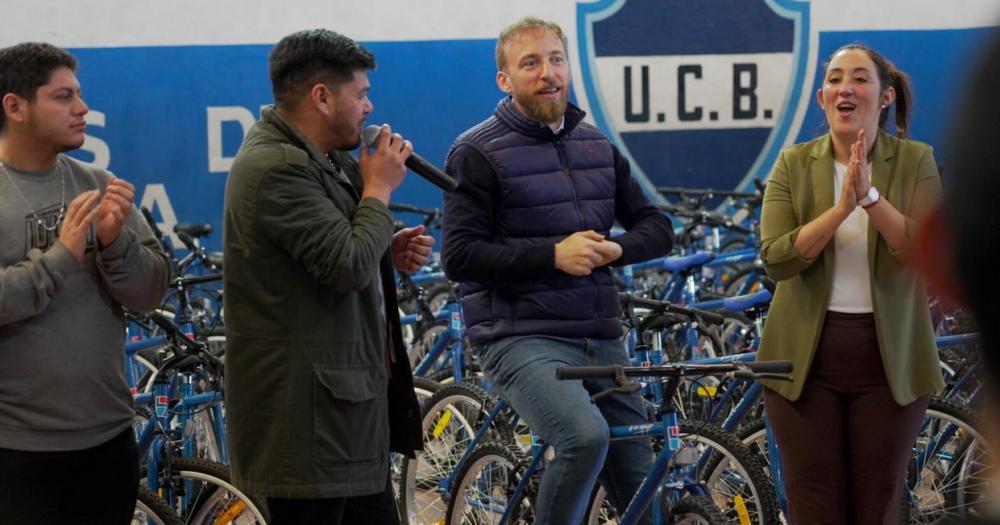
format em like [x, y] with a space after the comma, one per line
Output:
[424, 389]
[471, 372]
[209, 497]
[450, 420]
[947, 487]
[695, 510]
[600, 510]
[736, 479]
[485, 482]
[149, 508]
[421, 342]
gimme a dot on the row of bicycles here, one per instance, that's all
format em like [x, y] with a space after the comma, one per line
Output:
[691, 322]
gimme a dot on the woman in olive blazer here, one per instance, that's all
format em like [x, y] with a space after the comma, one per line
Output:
[857, 329]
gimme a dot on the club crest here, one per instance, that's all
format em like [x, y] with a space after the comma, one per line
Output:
[694, 93]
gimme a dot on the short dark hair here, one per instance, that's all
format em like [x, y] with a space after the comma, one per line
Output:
[27, 66]
[303, 59]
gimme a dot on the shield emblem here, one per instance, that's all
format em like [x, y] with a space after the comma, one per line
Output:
[699, 94]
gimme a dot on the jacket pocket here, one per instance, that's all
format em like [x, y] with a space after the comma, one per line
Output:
[350, 414]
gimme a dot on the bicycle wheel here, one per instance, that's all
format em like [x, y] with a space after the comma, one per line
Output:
[151, 510]
[951, 475]
[216, 341]
[421, 343]
[735, 478]
[201, 493]
[600, 511]
[485, 483]
[424, 389]
[745, 280]
[695, 510]
[450, 421]
[691, 510]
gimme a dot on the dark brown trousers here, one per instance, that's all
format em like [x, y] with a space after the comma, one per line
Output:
[845, 443]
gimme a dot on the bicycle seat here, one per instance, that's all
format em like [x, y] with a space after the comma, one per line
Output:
[194, 230]
[684, 262]
[745, 302]
[215, 259]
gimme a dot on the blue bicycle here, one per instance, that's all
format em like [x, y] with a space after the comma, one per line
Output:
[496, 484]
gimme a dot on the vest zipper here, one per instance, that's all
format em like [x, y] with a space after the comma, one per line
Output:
[560, 145]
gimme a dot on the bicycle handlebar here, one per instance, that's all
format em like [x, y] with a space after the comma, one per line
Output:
[676, 190]
[706, 217]
[188, 240]
[705, 316]
[409, 208]
[151, 222]
[752, 370]
[198, 279]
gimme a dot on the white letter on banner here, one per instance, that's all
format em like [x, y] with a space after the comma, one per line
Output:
[100, 149]
[217, 162]
[155, 198]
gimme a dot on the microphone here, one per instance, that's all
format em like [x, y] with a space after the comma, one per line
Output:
[416, 163]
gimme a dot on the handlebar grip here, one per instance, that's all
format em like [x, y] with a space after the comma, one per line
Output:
[188, 241]
[395, 206]
[776, 377]
[162, 322]
[152, 222]
[586, 372]
[200, 279]
[641, 302]
[709, 317]
[771, 367]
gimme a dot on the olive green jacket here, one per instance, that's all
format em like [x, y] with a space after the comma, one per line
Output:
[800, 188]
[312, 401]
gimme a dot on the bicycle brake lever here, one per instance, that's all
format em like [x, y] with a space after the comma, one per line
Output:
[627, 388]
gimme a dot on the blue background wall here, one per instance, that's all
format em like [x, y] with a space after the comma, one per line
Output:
[155, 101]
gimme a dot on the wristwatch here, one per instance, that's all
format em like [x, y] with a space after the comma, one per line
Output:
[870, 199]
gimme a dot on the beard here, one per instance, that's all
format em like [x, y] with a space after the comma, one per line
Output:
[47, 135]
[346, 132]
[543, 110]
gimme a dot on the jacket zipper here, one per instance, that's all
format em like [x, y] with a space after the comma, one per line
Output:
[560, 145]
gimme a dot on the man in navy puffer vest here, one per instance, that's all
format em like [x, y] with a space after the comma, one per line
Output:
[527, 235]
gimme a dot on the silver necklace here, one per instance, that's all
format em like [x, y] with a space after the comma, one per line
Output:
[62, 205]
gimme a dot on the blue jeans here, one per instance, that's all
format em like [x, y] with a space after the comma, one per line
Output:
[523, 371]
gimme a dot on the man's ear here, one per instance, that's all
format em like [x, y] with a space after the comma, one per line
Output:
[322, 98]
[503, 82]
[13, 107]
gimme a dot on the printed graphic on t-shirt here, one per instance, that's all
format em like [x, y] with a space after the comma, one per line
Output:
[39, 233]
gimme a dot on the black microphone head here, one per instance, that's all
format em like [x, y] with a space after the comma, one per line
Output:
[370, 135]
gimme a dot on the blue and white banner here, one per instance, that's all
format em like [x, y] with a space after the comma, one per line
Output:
[696, 93]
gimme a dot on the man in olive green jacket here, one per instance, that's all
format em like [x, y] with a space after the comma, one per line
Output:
[318, 384]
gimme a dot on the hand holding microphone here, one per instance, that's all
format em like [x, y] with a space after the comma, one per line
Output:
[383, 167]
[416, 163]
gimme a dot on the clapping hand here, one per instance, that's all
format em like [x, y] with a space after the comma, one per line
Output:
[114, 210]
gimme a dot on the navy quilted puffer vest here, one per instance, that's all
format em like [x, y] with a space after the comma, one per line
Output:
[551, 185]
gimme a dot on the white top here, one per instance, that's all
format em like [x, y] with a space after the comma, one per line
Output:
[851, 280]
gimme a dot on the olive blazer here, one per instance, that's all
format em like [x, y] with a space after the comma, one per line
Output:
[800, 188]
